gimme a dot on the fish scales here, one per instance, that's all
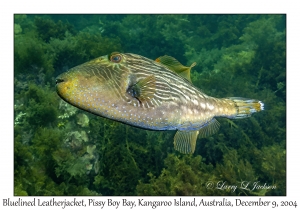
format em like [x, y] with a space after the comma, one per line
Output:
[156, 95]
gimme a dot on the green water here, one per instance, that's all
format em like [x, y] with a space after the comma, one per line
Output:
[61, 150]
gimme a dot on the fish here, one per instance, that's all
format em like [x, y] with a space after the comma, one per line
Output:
[150, 94]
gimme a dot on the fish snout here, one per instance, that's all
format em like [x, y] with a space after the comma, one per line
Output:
[59, 80]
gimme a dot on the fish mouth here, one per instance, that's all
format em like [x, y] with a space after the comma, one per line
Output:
[60, 85]
[59, 80]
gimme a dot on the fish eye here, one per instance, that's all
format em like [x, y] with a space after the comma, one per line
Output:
[116, 58]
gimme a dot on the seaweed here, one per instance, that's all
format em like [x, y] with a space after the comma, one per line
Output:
[182, 176]
[47, 28]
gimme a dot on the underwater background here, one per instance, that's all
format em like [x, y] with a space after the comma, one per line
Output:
[61, 150]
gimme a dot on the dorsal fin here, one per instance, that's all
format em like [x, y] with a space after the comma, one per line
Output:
[176, 66]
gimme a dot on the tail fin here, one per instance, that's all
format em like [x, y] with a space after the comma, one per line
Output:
[245, 107]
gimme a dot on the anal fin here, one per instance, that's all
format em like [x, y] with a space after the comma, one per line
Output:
[185, 141]
[209, 129]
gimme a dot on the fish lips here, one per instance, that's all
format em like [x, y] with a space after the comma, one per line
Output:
[59, 80]
[59, 83]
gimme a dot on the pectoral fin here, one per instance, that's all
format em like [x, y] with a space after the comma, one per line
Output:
[150, 91]
[185, 141]
[144, 89]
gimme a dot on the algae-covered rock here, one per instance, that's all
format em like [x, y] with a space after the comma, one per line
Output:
[84, 136]
[82, 120]
[90, 149]
[17, 29]
[76, 139]
[67, 110]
